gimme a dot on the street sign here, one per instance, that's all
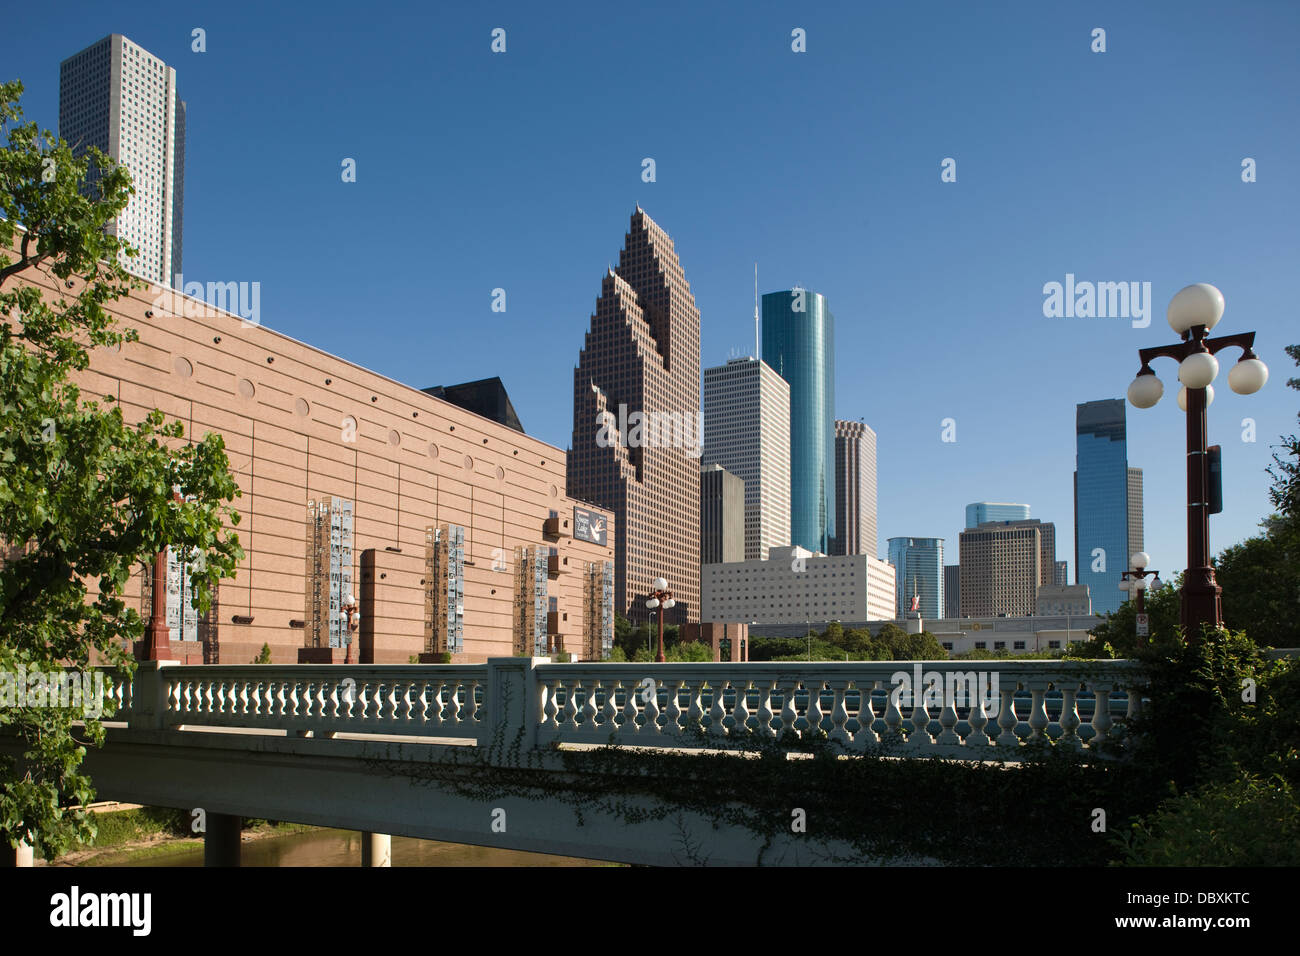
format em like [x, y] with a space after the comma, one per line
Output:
[1144, 625]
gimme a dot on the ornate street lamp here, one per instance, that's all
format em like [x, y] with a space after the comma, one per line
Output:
[1192, 313]
[662, 599]
[1135, 582]
[353, 612]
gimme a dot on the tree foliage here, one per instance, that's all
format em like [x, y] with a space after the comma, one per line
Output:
[85, 497]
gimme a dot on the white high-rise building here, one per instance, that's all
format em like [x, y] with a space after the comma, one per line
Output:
[747, 431]
[121, 98]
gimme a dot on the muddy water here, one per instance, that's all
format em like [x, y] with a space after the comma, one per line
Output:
[343, 848]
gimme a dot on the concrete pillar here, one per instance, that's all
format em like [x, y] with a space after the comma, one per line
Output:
[221, 840]
[376, 849]
[20, 855]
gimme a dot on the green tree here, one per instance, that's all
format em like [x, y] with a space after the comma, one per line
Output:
[84, 496]
[264, 657]
[1260, 576]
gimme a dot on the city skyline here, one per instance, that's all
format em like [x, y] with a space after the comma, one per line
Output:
[921, 488]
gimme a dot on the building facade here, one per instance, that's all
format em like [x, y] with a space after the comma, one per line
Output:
[799, 344]
[1015, 635]
[980, 512]
[918, 568]
[119, 97]
[312, 438]
[1136, 533]
[722, 516]
[747, 431]
[795, 585]
[855, 489]
[1060, 573]
[952, 590]
[1107, 498]
[1058, 599]
[640, 364]
[1001, 568]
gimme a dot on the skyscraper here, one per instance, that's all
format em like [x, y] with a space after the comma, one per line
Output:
[952, 590]
[747, 431]
[1003, 563]
[121, 98]
[1107, 502]
[640, 364]
[981, 511]
[855, 489]
[722, 516]
[799, 343]
[918, 573]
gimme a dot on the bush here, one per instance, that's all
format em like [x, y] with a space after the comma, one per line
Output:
[617, 655]
[265, 656]
[1250, 821]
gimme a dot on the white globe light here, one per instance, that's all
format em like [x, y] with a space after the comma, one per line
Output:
[349, 599]
[1182, 397]
[1248, 376]
[1139, 584]
[1145, 391]
[1199, 304]
[652, 603]
[1140, 560]
[1156, 584]
[669, 604]
[1125, 584]
[1198, 370]
[660, 584]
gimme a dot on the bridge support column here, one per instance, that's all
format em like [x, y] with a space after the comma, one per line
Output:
[221, 840]
[376, 849]
[20, 855]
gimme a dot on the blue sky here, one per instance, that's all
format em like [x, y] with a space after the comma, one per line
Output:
[519, 170]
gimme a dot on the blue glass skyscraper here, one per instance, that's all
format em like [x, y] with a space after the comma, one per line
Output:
[918, 572]
[1107, 502]
[799, 344]
[982, 511]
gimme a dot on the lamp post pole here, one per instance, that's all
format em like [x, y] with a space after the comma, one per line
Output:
[1192, 313]
[352, 610]
[1135, 582]
[662, 599]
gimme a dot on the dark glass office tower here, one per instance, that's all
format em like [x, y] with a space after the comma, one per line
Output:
[799, 344]
[1107, 502]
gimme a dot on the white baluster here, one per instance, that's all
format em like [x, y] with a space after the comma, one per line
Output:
[651, 711]
[570, 704]
[1069, 718]
[1038, 719]
[765, 715]
[673, 712]
[978, 718]
[1007, 719]
[839, 713]
[589, 709]
[1101, 719]
[695, 715]
[717, 713]
[814, 713]
[740, 713]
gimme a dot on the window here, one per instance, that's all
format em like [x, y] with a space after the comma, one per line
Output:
[999, 645]
[1019, 645]
[1054, 645]
[981, 645]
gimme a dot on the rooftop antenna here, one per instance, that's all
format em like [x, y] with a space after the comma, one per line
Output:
[757, 353]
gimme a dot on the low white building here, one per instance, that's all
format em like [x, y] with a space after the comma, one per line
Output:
[795, 585]
[1058, 599]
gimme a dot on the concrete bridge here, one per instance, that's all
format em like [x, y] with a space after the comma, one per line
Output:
[482, 753]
